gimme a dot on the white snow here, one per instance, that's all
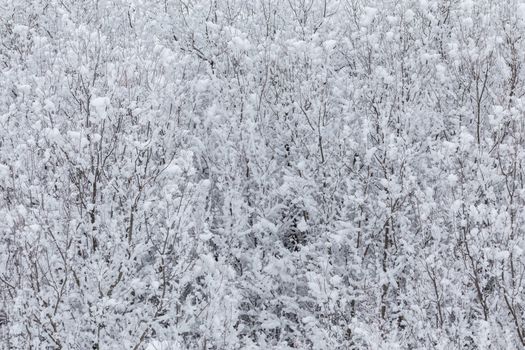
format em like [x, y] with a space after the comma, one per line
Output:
[101, 105]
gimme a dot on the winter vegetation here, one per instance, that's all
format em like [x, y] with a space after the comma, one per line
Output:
[267, 174]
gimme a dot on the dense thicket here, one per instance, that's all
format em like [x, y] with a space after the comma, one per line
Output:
[229, 174]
